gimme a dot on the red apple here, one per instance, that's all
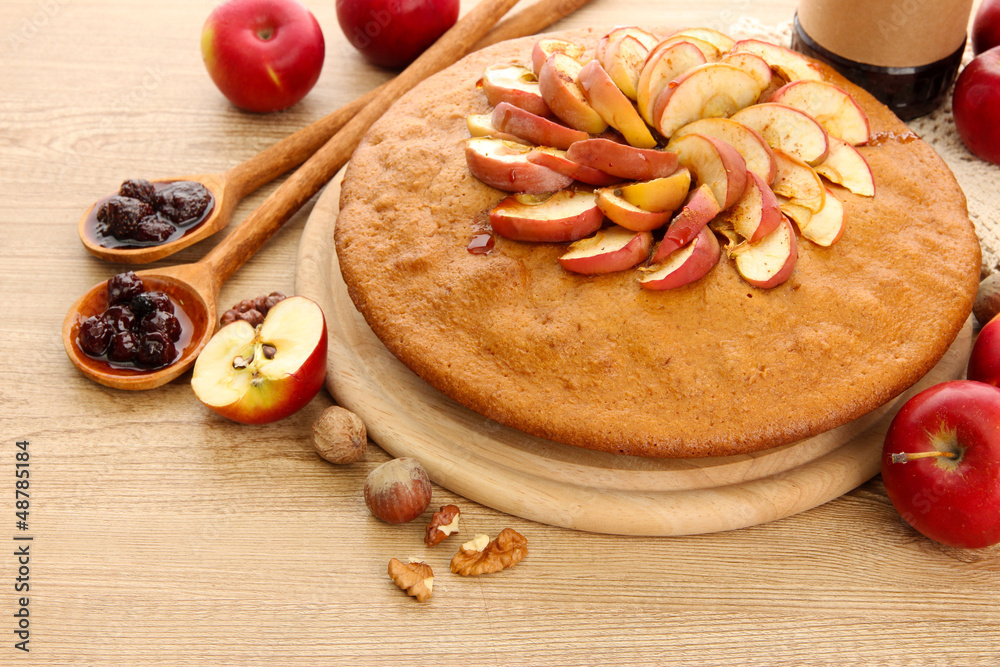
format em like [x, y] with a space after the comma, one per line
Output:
[263, 374]
[984, 362]
[976, 105]
[264, 55]
[941, 463]
[986, 27]
[392, 33]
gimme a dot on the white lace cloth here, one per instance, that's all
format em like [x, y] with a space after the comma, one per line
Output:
[979, 179]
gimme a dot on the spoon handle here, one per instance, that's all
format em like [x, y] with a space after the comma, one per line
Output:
[267, 219]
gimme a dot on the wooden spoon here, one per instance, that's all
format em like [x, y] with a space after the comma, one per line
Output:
[195, 287]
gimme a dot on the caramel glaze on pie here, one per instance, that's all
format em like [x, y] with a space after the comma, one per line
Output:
[713, 368]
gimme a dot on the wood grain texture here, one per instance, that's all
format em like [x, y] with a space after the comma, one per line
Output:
[165, 535]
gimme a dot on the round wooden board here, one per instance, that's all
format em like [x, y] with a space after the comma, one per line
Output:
[566, 486]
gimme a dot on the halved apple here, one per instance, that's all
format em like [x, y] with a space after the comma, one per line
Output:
[846, 166]
[755, 151]
[556, 160]
[710, 91]
[753, 65]
[622, 160]
[661, 67]
[546, 46]
[719, 40]
[623, 62]
[620, 212]
[789, 65]
[684, 265]
[798, 182]
[504, 165]
[533, 128]
[646, 38]
[259, 375]
[700, 209]
[714, 163]
[566, 215]
[788, 129]
[831, 106]
[757, 212]
[561, 91]
[770, 261]
[660, 194]
[616, 109]
[515, 84]
[481, 125]
[826, 226]
[609, 250]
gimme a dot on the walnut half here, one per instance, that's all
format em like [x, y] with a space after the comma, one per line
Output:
[443, 523]
[481, 556]
[417, 579]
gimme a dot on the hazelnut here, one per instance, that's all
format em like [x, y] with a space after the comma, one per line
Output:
[987, 303]
[339, 436]
[398, 491]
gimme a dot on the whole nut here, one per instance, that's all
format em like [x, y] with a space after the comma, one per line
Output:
[398, 491]
[987, 303]
[339, 436]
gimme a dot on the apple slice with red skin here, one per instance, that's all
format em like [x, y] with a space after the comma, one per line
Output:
[825, 226]
[504, 165]
[846, 166]
[798, 182]
[481, 125]
[516, 85]
[622, 160]
[753, 65]
[623, 61]
[701, 208]
[939, 463]
[660, 194]
[534, 129]
[556, 160]
[619, 211]
[661, 67]
[770, 261]
[831, 106]
[609, 250]
[719, 40]
[263, 374]
[755, 151]
[546, 46]
[757, 212]
[710, 91]
[709, 50]
[789, 65]
[608, 100]
[714, 163]
[684, 265]
[566, 215]
[560, 89]
[646, 38]
[788, 129]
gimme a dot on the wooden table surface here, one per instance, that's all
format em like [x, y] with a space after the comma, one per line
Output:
[165, 535]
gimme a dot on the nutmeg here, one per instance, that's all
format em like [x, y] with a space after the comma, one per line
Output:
[339, 436]
[398, 491]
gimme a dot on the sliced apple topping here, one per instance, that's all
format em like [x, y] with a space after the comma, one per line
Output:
[661, 67]
[709, 50]
[560, 88]
[789, 65]
[844, 165]
[715, 90]
[646, 38]
[610, 102]
[504, 165]
[619, 211]
[515, 84]
[546, 47]
[798, 182]
[719, 40]
[532, 128]
[623, 62]
[826, 226]
[566, 215]
[700, 209]
[753, 65]
[757, 213]
[659, 195]
[770, 261]
[787, 129]
[622, 160]
[755, 151]
[831, 106]
[609, 250]
[556, 160]
[714, 163]
[684, 265]
[481, 125]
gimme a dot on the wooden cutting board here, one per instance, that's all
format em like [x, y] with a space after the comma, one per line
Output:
[567, 486]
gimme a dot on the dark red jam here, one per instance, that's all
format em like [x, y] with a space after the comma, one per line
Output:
[139, 329]
[143, 214]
